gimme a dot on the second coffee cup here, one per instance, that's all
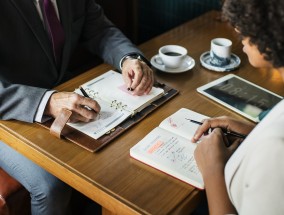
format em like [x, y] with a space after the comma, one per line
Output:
[171, 55]
[220, 52]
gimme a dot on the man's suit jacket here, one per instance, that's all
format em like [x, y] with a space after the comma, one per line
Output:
[27, 66]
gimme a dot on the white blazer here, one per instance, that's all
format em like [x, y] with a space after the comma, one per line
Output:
[255, 172]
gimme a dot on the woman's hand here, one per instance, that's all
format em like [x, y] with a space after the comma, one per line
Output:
[138, 76]
[225, 123]
[211, 156]
[74, 102]
[211, 153]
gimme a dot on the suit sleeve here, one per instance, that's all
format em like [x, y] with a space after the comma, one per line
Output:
[102, 38]
[19, 102]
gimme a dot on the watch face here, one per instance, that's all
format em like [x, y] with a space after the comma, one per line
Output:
[245, 97]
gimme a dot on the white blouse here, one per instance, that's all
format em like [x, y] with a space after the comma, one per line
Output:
[255, 173]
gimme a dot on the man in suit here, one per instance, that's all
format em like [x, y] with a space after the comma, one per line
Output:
[30, 66]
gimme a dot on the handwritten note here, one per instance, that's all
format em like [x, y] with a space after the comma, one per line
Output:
[173, 150]
[107, 119]
[169, 147]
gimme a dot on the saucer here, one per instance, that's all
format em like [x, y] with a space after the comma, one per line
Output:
[187, 64]
[234, 63]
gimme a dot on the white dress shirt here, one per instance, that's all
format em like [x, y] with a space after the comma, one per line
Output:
[36, 2]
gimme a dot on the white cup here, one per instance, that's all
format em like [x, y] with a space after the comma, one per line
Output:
[220, 52]
[171, 56]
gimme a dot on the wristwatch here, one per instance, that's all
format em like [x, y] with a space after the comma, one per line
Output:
[134, 56]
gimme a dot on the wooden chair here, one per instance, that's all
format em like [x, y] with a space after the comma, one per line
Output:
[14, 198]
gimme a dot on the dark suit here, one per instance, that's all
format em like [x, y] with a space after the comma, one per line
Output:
[27, 66]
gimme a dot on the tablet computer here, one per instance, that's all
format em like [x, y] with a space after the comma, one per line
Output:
[241, 96]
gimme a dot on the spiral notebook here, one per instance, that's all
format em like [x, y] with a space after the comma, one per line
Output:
[117, 103]
[119, 110]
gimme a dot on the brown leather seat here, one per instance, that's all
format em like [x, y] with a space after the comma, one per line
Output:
[14, 198]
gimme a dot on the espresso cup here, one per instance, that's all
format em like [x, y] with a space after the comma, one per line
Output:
[171, 56]
[220, 52]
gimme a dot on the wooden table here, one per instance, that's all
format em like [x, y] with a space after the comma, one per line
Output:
[110, 177]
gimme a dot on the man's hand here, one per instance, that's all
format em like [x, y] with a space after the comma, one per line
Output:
[138, 76]
[74, 102]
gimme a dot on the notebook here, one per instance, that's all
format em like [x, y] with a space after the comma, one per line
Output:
[119, 110]
[117, 103]
[169, 149]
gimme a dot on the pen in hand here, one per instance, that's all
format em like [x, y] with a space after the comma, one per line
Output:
[226, 132]
[87, 96]
[84, 92]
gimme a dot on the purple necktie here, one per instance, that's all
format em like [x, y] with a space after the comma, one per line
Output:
[54, 29]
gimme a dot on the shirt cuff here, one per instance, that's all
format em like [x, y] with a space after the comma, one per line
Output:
[39, 113]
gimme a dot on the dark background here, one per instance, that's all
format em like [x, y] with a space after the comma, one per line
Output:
[141, 20]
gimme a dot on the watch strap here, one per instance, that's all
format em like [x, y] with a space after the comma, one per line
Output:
[134, 55]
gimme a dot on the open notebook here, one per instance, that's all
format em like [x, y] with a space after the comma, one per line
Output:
[119, 110]
[169, 149]
[117, 103]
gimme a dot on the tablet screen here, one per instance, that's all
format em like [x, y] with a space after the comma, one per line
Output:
[238, 94]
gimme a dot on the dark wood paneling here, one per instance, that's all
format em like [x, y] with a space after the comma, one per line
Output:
[123, 13]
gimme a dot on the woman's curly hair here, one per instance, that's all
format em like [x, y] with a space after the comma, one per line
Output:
[263, 22]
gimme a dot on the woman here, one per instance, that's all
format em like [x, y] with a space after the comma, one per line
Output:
[248, 178]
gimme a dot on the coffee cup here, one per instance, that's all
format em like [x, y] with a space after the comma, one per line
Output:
[220, 52]
[171, 56]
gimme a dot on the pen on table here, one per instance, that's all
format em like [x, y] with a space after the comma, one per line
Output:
[235, 134]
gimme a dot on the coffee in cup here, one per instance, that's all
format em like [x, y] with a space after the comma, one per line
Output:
[171, 56]
[220, 52]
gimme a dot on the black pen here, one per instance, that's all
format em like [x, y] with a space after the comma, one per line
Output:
[87, 96]
[84, 92]
[226, 132]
